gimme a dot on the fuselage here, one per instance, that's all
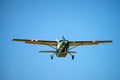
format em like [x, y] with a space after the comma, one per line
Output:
[62, 48]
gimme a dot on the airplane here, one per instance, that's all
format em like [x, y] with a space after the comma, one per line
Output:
[62, 47]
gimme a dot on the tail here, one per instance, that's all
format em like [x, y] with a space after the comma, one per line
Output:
[51, 51]
[71, 52]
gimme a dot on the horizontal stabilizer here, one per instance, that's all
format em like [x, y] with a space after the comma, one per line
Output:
[47, 51]
[73, 52]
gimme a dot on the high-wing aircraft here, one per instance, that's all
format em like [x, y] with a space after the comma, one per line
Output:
[62, 47]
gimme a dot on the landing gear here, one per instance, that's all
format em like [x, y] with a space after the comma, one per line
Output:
[72, 57]
[51, 57]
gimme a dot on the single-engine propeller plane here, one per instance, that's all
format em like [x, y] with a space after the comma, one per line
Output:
[62, 47]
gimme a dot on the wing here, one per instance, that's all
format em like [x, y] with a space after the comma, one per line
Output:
[41, 42]
[79, 43]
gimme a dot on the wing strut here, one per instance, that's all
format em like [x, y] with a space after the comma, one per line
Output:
[72, 47]
[51, 46]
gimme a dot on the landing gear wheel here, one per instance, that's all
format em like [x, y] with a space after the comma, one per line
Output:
[72, 57]
[51, 56]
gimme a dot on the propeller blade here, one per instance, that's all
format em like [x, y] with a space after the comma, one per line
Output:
[63, 37]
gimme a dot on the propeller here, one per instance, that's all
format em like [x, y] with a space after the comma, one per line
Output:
[63, 37]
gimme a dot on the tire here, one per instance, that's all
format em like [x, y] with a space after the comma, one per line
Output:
[72, 57]
[51, 57]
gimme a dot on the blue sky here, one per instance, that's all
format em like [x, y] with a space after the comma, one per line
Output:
[47, 20]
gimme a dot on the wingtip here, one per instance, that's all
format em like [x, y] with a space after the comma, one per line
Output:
[110, 41]
[13, 39]
[18, 39]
